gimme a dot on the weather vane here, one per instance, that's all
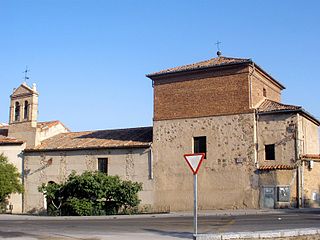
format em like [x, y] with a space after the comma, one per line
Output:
[26, 73]
[218, 47]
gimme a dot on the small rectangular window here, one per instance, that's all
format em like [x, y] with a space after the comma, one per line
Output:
[103, 165]
[264, 92]
[270, 152]
[200, 145]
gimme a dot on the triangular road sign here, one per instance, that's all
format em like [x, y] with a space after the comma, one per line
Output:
[194, 161]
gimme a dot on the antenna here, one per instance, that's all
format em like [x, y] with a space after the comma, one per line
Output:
[25, 74]
[218, 47]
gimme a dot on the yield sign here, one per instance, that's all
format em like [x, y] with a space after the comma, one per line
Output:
[194, 161]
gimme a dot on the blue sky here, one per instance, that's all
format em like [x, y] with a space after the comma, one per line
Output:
[89, 58]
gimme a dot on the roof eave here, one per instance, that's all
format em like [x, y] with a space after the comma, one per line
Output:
[86, 148]
[272, 78]
[304, 113]
[156, 75]
[11, 143]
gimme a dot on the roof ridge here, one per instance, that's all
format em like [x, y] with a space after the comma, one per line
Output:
[212, 62]
[49, 121]
[114, 129]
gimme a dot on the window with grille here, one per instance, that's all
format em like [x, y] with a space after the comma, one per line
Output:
[103, 165]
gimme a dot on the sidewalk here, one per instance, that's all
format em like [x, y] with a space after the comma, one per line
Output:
[237, 212]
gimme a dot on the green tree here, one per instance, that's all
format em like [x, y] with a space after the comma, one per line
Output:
[9, 179]
[91, 193]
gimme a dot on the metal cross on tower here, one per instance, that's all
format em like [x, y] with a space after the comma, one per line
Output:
[218, 47]
[26, 73]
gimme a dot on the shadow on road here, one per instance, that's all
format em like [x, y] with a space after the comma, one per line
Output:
[14, 234]
[184, 235]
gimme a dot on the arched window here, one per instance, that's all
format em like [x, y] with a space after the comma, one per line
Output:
[17, 111]
[26, 110]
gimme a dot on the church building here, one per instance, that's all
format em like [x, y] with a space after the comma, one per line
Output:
[259, 152]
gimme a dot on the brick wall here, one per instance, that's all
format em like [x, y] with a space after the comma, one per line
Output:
[260, 82]
[208, 93]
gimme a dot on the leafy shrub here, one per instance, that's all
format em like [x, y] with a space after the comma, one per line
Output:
[91, 193]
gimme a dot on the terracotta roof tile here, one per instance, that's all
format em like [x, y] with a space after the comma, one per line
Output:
[9, 141]
[277, 167]
[311, 156]
[119, 138]
[49, 124]
[272, 106]
[268, 107]
[213, 62]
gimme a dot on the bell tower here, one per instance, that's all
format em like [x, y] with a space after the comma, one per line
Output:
[24, 114]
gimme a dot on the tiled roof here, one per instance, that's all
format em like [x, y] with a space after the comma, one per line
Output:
[119, 138]
[268, 107]
[272, 106]
[43, 125]
[311, 156]
[9, 141]
[277, 167]
[213, 62]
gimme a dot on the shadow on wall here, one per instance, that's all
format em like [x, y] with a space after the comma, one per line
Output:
[39, 212]
[27, 172]
[282, 141]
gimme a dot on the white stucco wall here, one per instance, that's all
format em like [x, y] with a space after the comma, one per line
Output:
[46, 133]
[15, 156]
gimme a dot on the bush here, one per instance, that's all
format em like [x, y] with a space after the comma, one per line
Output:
[91, 193]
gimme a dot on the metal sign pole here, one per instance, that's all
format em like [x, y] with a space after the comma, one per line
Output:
[194, 161]
[195, 206]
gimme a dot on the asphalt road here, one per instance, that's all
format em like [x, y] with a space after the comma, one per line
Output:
[172, 226]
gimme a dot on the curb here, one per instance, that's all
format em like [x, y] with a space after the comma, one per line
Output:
[259, 234]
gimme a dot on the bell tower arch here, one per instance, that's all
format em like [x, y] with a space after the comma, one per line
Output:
[24, 114]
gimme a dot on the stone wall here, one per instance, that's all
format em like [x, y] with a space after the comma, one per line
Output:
[227, 176]
[311, 184]
[308, 136]
[42, 167]
[278, 129]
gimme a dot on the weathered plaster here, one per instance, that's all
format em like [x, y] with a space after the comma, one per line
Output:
[56, 166]
[226, 178]
[15, 156]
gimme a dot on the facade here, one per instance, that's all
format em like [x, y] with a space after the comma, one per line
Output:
[122, 152]
[259, 152]
[230, 109]
[48, 152]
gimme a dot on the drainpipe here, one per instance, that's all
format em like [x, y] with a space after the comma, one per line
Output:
[150, 153]
[256, 117]
[299, 162]
[23, 181]
[255, 133]
[250, 85]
